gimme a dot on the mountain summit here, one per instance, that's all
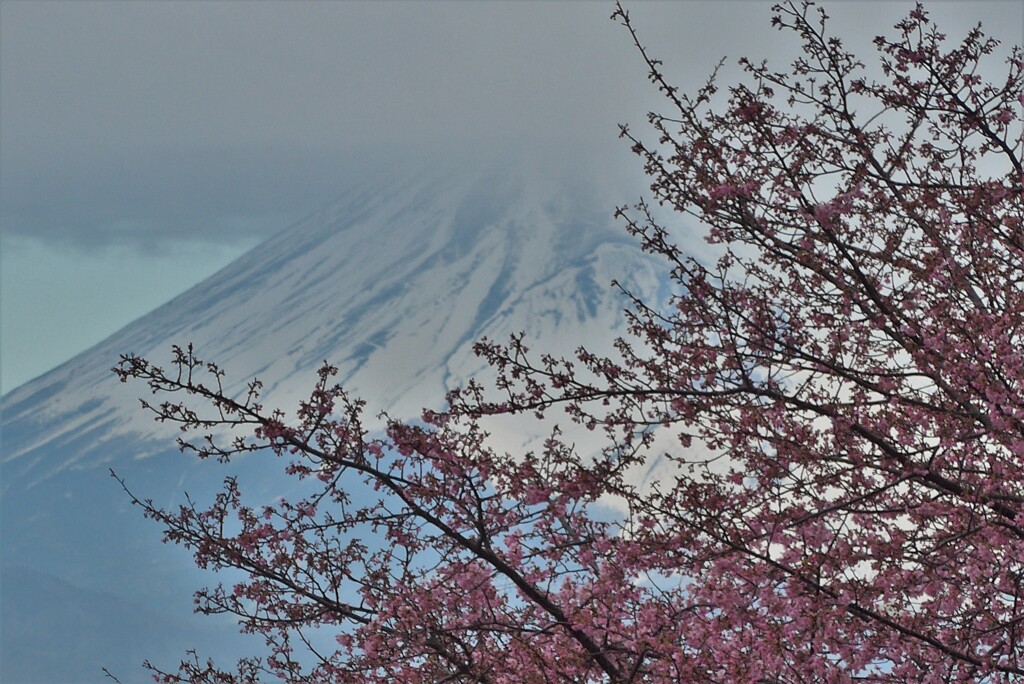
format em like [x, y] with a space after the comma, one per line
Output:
[393, 283]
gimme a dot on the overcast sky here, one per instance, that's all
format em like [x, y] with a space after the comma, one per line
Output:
[145, 144]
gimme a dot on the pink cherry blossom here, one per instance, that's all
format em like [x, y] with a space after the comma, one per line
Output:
[843, 392]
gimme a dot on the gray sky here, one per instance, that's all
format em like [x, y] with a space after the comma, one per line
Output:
[145, 144]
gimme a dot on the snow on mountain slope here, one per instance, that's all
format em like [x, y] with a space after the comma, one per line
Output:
[393, 284]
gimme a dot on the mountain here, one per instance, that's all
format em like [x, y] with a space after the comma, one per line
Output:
[392, 283]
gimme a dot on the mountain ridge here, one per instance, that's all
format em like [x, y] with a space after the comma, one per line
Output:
[512, 278]
[393, 283]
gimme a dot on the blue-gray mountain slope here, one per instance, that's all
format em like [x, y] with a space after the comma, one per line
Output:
[393, 284]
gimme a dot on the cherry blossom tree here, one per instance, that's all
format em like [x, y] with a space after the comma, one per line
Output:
[841, 393]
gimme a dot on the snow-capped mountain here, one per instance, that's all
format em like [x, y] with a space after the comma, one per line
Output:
[393, 284]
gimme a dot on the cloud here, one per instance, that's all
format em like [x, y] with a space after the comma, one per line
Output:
[143, 122]
[188, 194]
[148, 121]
